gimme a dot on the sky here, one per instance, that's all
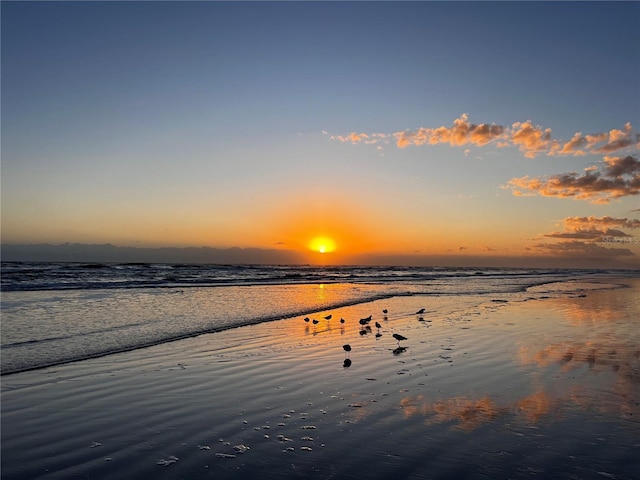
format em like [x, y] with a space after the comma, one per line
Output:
[399, 132]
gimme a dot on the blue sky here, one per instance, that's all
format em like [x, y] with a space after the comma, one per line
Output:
[219, 124]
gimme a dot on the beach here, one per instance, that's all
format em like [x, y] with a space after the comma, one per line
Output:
[537, 384]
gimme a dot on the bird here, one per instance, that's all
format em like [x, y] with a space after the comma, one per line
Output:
[364, 321]
[378, 326]
[347, 348]
[420, 312]
[315, 322]
[328, 317]
[399, 337]
[342, 320]
[306, 319]
[385, 311]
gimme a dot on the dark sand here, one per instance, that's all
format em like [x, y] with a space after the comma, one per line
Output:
[503, 386]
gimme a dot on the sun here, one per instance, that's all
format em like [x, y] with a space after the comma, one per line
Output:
[322, 245]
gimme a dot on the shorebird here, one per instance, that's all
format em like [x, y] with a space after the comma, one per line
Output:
[378, 326]
[342, 320]
[347, 348]
[420, 312]
[364, 321]
[399, 337]
[306, 319]
[315, 322]
[328, 317]
[385, 311]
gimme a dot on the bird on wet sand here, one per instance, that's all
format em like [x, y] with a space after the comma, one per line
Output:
[315, 322]
[328, 317]
[347, 361]
[342, 320]
[378, 326]
[385, 311]
[420, 312]
[399, 337]
[306, 319]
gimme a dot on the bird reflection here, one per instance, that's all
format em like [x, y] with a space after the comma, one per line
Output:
[399, 350]
[347, 361]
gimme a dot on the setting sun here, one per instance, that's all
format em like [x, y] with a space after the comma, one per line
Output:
[322, 245]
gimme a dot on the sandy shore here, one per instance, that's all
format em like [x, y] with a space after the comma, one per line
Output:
[502, 386]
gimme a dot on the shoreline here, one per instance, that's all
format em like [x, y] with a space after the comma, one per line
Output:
[377, 292]
[482, 388]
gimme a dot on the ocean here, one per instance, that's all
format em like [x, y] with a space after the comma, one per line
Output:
[55, 313]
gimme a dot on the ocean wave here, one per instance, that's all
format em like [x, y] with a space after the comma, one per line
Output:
[30, 276]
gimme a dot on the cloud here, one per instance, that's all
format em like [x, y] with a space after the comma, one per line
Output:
[461, 133]
[582, 235]
[580, 223]
[619, 139]
[589, 234]
[615, 140]
[619, 166]
[575, 146]
[575, 248]
[619, 177]
[532, 140]
[352, 137]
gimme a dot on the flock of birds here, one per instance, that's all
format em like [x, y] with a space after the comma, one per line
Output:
[364, 329]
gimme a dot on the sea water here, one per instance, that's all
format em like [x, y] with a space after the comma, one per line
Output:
[59, 312]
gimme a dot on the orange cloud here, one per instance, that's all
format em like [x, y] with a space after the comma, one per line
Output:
[575, 145]
[532, 140]
[620, 177]
[352, 137]
[586, 237]
[619, 139]
[580, 223]
[594, 228]
[461, 133]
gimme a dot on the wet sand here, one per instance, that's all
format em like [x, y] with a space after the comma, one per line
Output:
[526, 385]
